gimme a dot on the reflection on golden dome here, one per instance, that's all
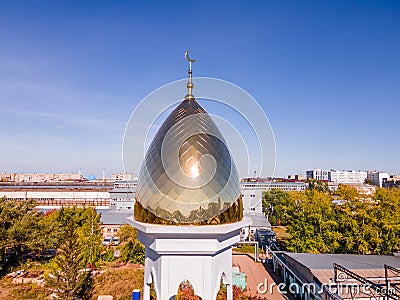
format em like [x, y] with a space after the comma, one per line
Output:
[188, 175]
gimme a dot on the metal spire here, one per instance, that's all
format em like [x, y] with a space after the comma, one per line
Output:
[189, 85]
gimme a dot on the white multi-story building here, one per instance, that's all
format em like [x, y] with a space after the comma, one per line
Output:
[337, 176]
[377, 177]
[252, 192]
[318, 174]
[347, 176]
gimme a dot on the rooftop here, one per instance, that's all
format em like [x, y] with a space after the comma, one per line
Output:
[115, 216]
[259, 219]
[321, 265]
[349, 261]
[123, 190]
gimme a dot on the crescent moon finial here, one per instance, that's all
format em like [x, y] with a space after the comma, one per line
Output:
[189, 85]
[188, 58]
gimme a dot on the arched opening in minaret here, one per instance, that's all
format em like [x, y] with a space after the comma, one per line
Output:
[149, 285]
[185, 292]
[222, 287]
[153, 294]
[227, 288]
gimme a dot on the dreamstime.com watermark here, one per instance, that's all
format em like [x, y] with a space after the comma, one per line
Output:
[333, 287]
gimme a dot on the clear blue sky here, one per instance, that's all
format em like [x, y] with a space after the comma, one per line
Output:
[327, 74]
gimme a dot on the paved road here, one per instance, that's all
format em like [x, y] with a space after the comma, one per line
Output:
[256, 274]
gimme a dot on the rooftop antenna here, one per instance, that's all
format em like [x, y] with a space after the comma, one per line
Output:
[255, 169]
[189, 85]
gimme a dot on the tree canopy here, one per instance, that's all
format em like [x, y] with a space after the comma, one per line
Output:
[69, 279]
[74, 234]
[346, 222]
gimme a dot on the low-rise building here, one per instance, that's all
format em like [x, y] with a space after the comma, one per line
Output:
[122, 177]
[298, 177]
[377, 177]
[112, 220]
[392, 182]
[362, 188]
[56, 195]
[259, 220]
[123, 194]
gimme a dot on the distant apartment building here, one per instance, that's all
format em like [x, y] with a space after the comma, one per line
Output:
[295, 177]
[337, 176]
[33, 177]
[347, 176]
[122, 176]
[58, 177]
[377, 177]
[318, 174]
[5, 177]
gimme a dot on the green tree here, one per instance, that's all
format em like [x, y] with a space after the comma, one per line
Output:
[368, 181]
[20, 231]
[387, 217]
[68, 278]
[311, 223]
[131, 249]
[90, 236]
[88, 225]
[347, 192]
[354, 225]
[78, 215]
[51, 229]
[317, 185]
[23, 229]
[107, 255]
[275, 203]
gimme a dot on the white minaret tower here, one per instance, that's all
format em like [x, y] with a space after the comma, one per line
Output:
[200, 254]
[188, 209]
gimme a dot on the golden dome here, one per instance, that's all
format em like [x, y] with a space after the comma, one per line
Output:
[188, 175]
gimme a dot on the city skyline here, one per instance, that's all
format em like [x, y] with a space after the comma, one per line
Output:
[325, 73]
